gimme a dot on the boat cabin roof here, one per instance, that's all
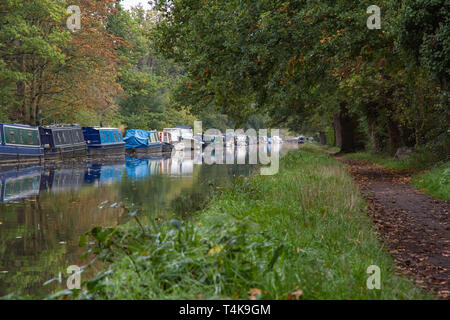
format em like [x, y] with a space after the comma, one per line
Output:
[23, 126]
[62, 127]
[102, 128]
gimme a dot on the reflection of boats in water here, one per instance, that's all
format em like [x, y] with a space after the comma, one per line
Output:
[241, 154]
[180, 164]
[142, 168]
[19, 184]
[62, 179]
[104, 174]
[28, 182]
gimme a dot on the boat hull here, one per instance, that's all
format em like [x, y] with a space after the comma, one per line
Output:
[151, 149]
[114, 151]
[64, 153]
[167, 147]
[10, 155]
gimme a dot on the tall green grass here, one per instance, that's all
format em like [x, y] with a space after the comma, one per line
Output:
[268, 237]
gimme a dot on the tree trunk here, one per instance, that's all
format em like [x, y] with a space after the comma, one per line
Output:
[322, 137]
[345, 127]
[373, 140]
[337, 130]
[20, 93]
[394, 136]
[20, 96]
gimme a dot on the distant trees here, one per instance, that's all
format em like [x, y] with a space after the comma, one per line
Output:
[146, 78]
[316, 64]
[50, 74]
[306, 65]
[106, 72]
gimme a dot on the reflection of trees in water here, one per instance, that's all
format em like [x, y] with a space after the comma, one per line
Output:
[156, 191]
[178, 186]
[42, 223]
[209, 177]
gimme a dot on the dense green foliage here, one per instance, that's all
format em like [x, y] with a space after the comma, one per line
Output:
[105, 73]
[268, 237]
[310, 66]
[315, 66]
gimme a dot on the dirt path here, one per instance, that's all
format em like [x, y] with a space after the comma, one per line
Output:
[414, 226]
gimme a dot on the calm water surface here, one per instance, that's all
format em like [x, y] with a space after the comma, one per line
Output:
[44, 210]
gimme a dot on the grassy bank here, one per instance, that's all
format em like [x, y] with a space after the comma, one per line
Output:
[434, 181]
[302, 233]
[385, 161]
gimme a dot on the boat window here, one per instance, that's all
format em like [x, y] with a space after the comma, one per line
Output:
[21, 136]
[77, 136]
[80, 136]
[21, 187]
[58, 137]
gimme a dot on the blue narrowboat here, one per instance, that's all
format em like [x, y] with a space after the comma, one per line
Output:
[62, 141]
[143, 142]
[20, 144]
[104, 142]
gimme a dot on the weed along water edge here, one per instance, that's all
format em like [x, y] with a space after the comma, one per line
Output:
[303, 233]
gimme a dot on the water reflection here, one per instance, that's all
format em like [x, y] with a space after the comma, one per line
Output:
[44, 210]
[15, 185]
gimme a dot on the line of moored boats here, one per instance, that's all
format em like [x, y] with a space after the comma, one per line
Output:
[30, 145]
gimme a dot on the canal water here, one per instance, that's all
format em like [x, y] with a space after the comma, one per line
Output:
[45, 210]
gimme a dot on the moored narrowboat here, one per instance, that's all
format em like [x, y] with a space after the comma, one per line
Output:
[62, 142]
[104, 142]
[166, 139]
[140, 142]
[183, 138]
[20, 144]
[155, 145]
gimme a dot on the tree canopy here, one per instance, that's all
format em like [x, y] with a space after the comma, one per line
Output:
[309, 66]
